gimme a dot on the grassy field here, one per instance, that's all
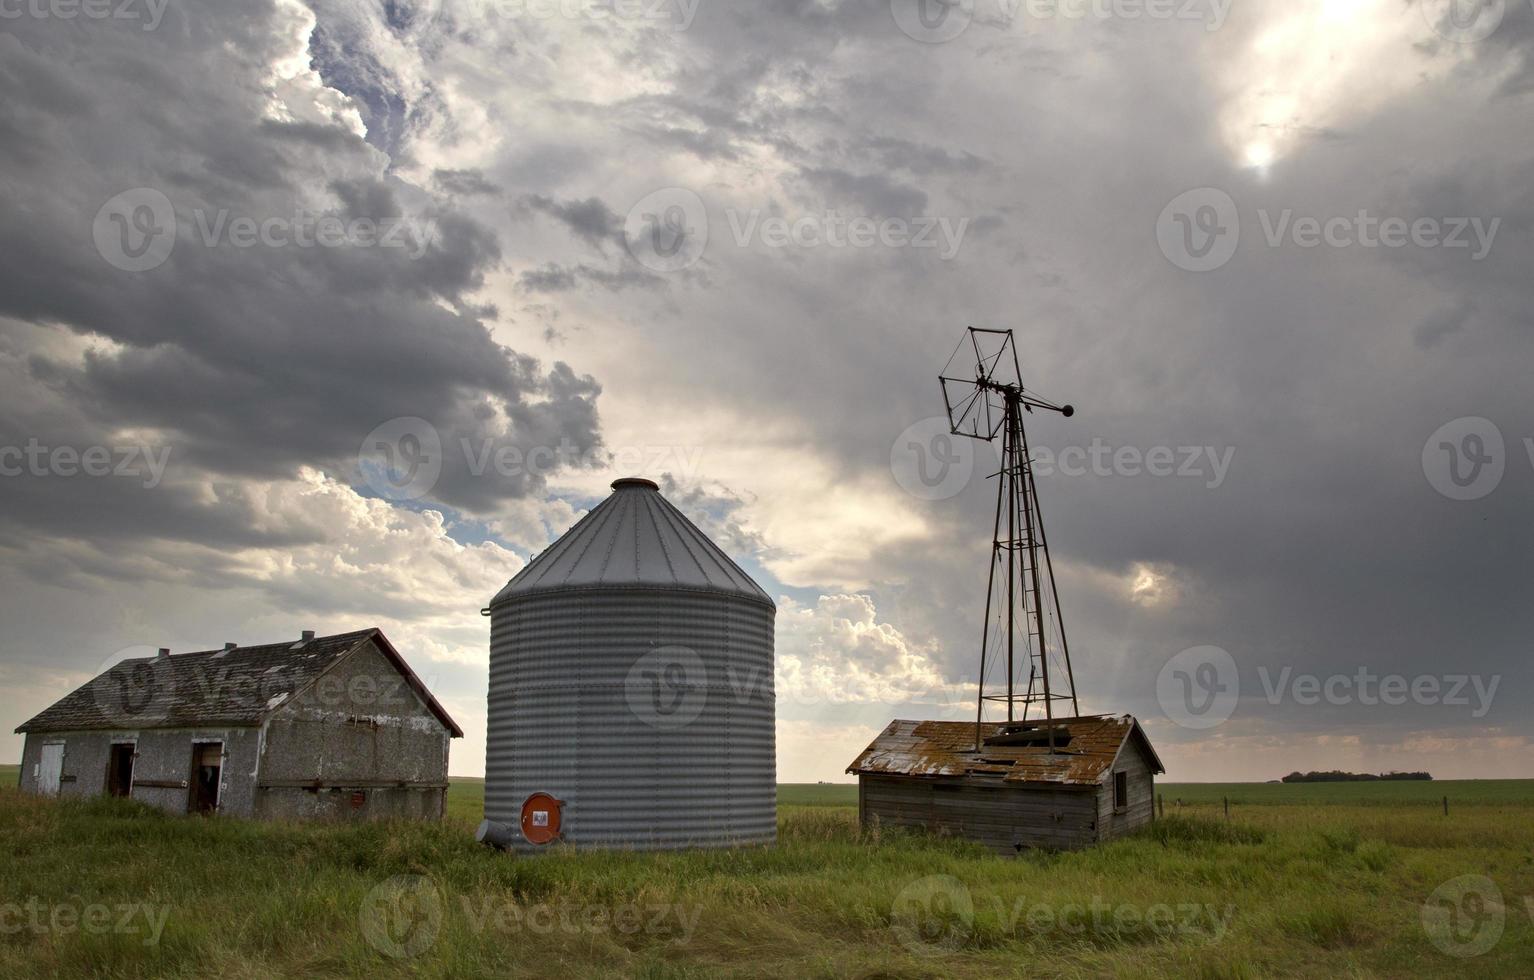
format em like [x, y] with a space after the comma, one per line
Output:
[1290, 887]
[1406, 793]
[1469, 792]
[817, 794]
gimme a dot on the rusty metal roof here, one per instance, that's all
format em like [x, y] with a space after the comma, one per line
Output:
[947, 748]
[238, 686]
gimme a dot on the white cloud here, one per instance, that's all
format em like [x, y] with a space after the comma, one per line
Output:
[364, 563]
[837, 652]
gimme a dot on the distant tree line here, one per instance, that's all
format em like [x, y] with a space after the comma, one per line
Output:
[1338, 776]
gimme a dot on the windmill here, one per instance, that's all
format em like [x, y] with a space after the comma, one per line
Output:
[1023, 627]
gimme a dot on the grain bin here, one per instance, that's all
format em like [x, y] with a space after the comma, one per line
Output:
[631, 689]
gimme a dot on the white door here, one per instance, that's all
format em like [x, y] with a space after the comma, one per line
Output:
[50, 768]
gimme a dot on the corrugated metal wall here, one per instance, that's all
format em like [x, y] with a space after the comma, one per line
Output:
[648, 711]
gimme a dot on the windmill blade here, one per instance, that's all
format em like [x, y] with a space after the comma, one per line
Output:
[996, 357]
[981, 368]
[971, 411]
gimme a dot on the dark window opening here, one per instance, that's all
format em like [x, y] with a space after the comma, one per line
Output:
[120, 770]
[1120, 790]
[207, 769]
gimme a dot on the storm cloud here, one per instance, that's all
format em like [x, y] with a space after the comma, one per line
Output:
[768, 380]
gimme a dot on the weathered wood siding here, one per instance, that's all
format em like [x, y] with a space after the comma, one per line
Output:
[999, 816]
[1142, 795]
[162, 764]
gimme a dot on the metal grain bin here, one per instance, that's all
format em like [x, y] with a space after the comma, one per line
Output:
[631, 682]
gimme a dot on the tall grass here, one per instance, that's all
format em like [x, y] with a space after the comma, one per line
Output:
[1277, 891]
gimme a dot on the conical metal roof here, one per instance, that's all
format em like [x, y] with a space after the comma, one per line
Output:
[633, 539]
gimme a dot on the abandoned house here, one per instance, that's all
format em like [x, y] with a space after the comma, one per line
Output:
[335, 727]
[1062, 784]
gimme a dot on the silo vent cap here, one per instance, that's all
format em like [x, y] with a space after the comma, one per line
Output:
[635, 481]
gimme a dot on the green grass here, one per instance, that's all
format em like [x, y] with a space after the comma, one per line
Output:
[1283, 889]
[817, 794]
[1404, 793]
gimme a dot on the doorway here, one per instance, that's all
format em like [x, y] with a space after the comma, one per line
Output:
[207, 773]
[50, 767]
[120, 769]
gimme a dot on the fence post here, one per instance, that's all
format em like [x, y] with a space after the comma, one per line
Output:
[1227, 808]
[1446, 806]
[1161, 805]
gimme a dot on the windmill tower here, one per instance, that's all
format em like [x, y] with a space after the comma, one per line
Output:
[1040, 774]
[1023, 639]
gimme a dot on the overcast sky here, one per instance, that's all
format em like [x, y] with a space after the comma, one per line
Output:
[1277, 253]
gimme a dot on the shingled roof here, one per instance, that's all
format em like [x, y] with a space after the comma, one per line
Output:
[947, 748]
[239, 686]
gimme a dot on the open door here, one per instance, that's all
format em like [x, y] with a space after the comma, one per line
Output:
[49, 768]
[120, 769]
[207, 774]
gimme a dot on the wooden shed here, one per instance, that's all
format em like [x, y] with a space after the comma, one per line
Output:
[328, 727]
[1062, 784]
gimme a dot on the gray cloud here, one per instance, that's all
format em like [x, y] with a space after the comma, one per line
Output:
[465, 182]
[876, 194]
[1323, 369]
[591, 220]
[250, 361]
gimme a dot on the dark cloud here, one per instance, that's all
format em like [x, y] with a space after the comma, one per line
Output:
[249, 359]
[590, 220]
[922, 159]
[1325, 370]
[558, 279]
[466, 182]
[875, 194]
